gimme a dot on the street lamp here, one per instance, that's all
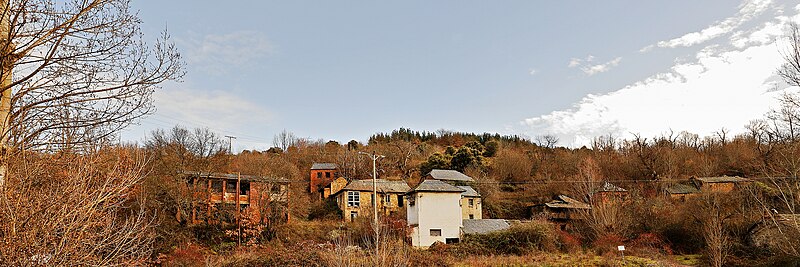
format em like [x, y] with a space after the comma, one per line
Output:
[374, 158]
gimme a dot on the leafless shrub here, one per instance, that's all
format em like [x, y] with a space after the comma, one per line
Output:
[63, 209]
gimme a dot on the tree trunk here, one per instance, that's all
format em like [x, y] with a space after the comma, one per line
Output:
[5, 85]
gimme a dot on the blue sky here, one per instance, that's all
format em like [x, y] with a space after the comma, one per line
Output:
[575, 69]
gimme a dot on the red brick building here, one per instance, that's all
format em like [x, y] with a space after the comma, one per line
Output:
[322, 174]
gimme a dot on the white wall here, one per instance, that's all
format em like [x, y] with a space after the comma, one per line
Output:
[434, 210]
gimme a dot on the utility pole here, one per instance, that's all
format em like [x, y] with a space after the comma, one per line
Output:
[374, 158]
[230, 143]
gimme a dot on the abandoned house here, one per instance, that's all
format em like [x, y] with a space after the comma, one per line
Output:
[722, 184]
[322, 174]
[607, 192]
[562, 211]
[681, 191]
[218, 197]
[355, 199]
[433, 213]
[337, 184]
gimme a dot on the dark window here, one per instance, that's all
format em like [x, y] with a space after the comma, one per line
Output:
[276, 188]
[471, 203]
[388, 199]
[353, 215]
[399, 201]
[450, 240]
[327, 174]
[216, 186]
[436, 232]
[319, 175]
[230, 186]
[471, 216]
[244, 188]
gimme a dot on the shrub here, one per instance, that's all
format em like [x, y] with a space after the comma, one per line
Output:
[519, 239]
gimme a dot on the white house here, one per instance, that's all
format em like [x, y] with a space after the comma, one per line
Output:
[434, 213]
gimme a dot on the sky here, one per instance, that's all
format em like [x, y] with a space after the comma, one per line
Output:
[336, 70]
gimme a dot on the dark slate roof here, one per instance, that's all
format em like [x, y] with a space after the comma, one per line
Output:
[565, 202]
[228, 176]
[682, 189]
[608, 187]
[384, 186]
[323, 166]
[436, 186]
[723, 179]
[484, 226]
[468, 191]
[450, 175]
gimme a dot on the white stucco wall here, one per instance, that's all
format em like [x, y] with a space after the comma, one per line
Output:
[434, 210]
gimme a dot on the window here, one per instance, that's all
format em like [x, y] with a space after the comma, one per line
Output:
[399, 200]
[372, 199]
[216, 186]
[353, 215]
[244, 188]
[471, 203]
[276, 189]
[388, 199]
[319, 175]
[230, 187]
[436, 232]
[450, 240]
[327, 174]
[472, 216]
[353, 199]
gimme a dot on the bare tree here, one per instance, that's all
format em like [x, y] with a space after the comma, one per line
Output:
[547, 140]
[284, 140]
[790, 70]
[75, 71]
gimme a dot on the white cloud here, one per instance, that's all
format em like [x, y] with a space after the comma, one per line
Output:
[533, 71]
[218, 53]
[592, 69]
[747, 11]
[717, 88]
[219, 108]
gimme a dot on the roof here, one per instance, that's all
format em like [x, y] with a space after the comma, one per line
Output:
[324, 166]
[723, 179]
[450, 175]
[469, 191]
[484, 226]
[681, 189]
[228, 176]
[383, 185]
[608, 187]
[565, 202]
[436, 186]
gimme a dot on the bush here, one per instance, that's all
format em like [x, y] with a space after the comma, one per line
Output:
[518, 240]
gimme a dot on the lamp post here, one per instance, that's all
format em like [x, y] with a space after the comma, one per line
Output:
[374, 158]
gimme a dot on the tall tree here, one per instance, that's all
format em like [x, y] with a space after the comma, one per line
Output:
[74, 72]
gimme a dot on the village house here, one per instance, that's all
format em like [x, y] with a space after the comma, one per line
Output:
[608, 192]
[681, 191]
[722, 184]
[433, 213]
[562, 211]
[355, 199]
[322, 174]
[484, 226]
[470, 203]
[219, 197]
[334, 187]
[471, 206]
